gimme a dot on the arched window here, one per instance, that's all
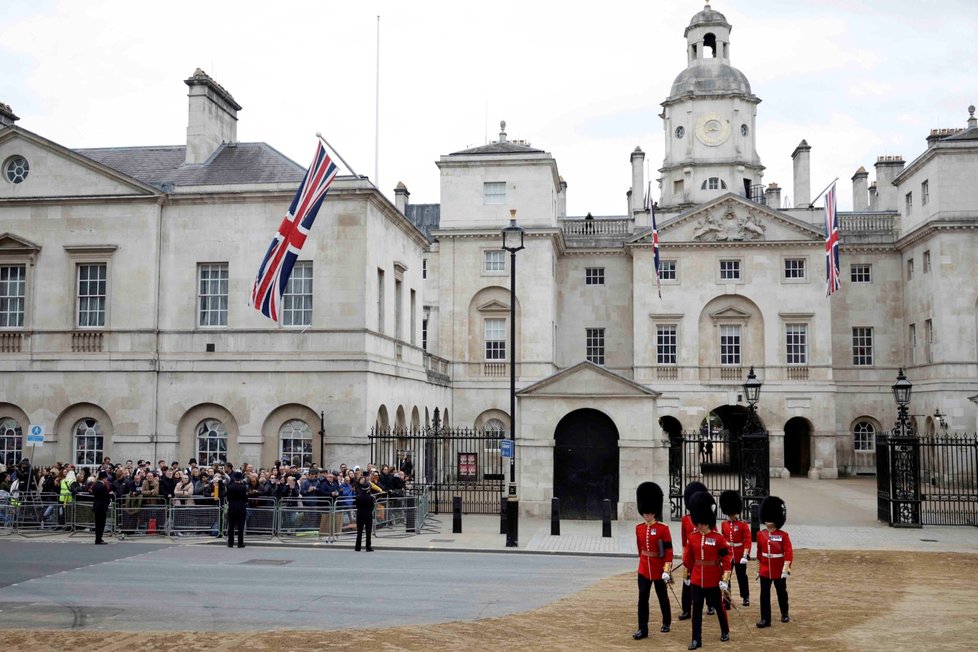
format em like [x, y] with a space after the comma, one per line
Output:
[295, 443]
[89, 443]
[710, 43]
[864, 437]
[212, 442]
[495, 430]
[11, 442]
[714, 183]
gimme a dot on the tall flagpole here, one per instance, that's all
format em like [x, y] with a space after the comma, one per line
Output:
[377, 114]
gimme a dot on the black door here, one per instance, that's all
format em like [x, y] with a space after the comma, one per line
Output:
[797, 447]
[586, 464]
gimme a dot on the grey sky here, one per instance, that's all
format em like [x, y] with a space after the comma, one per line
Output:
[855, 79]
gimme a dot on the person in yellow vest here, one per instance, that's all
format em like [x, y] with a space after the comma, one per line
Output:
[65, 497]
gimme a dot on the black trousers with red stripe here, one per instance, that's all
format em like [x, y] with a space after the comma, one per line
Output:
[644, 590]
[713, 598]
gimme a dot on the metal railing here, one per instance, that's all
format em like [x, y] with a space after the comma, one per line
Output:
[596, 228]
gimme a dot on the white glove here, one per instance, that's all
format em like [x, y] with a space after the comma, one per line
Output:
[686, 581]
[785, 574]
[744, 559]
[666, 577]
[723, 586]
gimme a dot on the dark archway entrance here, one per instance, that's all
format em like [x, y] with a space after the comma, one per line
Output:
[798, 446]
[586, 464]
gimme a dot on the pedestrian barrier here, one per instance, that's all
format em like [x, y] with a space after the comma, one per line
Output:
[199, 516]
[290, 519]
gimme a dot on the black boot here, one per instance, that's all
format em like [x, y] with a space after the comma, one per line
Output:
[710, 611]
[694, 645]
[761, 624]
[724, 637]
[684, 616]
[664, 629]
[785, 618]
[640, 634]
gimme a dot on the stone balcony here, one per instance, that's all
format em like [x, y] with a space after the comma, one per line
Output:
[596, 232]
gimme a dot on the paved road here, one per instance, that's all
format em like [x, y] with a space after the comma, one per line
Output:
[144, 587]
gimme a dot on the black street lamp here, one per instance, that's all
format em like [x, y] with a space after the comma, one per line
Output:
[755, 467]
[512, 242]
[901, 392]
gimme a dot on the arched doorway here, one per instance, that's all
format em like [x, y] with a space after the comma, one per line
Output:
[585, 464]
[798, 446]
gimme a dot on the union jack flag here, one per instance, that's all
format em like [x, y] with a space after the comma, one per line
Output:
[833, 277]
[276, 266]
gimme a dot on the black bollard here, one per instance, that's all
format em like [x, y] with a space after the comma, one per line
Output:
[606, 518]
[502, 515]
[755, 520]
[555, 517]
[456, 515]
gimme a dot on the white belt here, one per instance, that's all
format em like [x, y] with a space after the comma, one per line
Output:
[772, 556]
[736, 545]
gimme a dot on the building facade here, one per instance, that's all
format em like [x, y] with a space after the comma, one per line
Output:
[124, 275]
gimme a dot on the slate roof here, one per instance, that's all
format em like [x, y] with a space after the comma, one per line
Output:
[505, 147]
[424, 216]
[968, 134]
[243, 163]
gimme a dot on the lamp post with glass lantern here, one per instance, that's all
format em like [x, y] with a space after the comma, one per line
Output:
[755, 467]
[512, 242]
[904, 461]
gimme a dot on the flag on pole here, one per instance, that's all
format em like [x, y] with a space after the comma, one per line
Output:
[276, 266]
[655, 241]
[833, 276]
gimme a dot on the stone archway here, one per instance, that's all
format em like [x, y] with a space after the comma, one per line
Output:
[586, 464]
[798, 446]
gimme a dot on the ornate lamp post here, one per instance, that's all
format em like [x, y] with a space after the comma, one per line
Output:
[755, 467]
[904, 461]
[512, 242]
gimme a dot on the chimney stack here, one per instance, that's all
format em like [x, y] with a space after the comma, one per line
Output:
[401, 195]
[213, 117]
[638, 178]
[860, 192]
[772, 196]
[873, 197]
[7, 117]
[803, 174]
[887, 169]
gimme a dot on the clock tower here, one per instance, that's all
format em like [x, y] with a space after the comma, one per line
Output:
[709, 121]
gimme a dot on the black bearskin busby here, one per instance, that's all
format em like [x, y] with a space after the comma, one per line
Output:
[692, 488]
[731, 503]
[648, 497]
[773, 510]
[703, 509]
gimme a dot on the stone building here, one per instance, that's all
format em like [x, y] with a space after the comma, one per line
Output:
[124, 276]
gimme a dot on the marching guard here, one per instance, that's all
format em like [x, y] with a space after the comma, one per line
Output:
[687, 528]
[737, 533]
[654, 557]
[707, 561]
[774, 557]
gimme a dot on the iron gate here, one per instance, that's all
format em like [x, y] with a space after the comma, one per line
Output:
[449, 462]
[930, 480]
[721, 460]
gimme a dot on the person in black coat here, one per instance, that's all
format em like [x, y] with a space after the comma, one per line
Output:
[237, 497]
[364, 501]
[101, 497]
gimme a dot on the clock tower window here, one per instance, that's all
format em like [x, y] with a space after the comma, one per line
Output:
[710, 42]
[714, 183]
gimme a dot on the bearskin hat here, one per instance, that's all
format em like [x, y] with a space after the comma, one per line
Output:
[648, 496]
[692, 488]
[731, 502]
[703, 509]
[773, 510]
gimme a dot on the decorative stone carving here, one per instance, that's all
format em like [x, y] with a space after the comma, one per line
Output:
[729, 227]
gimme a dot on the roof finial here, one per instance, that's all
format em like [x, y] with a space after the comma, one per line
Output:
[972, 121]
[502, 131]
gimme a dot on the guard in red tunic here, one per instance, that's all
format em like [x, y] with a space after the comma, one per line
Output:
[654, 557]
[737, 533]
[687, 528]
[774, 558]
[707, 561]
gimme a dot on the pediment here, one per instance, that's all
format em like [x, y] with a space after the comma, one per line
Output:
[730, 314]
[733, 219]
[56, 171]
[586, 379]
[493, 306]
[13, 247]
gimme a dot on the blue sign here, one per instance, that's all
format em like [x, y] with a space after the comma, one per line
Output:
[35, 435]
[506, 448]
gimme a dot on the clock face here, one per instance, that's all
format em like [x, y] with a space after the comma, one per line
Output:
[712, 129]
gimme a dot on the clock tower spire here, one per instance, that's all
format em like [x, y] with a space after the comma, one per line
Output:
[709, 120]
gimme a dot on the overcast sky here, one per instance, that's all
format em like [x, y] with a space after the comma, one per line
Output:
[856, 79]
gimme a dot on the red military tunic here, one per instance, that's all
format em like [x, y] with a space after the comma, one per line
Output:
[773, 550]
[708, 555]
[651, 555]
[737, 534]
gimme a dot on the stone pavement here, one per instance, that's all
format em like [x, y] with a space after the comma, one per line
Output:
[822, 515]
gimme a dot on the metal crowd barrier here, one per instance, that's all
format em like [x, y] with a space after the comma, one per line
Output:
[321, 518]
[197, 516]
